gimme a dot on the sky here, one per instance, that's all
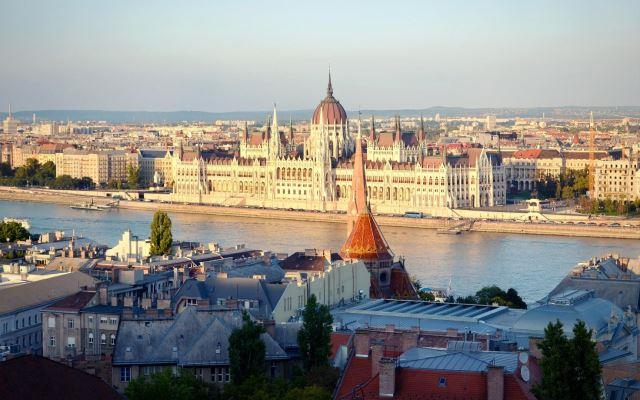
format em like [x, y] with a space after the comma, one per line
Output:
[240, 55]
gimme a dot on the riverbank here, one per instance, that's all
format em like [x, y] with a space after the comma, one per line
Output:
[578, 229]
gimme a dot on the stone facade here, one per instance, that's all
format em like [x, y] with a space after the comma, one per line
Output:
[269, 172]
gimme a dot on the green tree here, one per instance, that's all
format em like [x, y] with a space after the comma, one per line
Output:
[308, 393]
[246, 351]
[570, 367]
[166, 386]
[161, 237]
[6, 170]
[587, 370]
[13, 231]
[314, 337]
[133, 176]
[554, 364]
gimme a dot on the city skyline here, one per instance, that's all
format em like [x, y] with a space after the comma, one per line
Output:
[227, 57]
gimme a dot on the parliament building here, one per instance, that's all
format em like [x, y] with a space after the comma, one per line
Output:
[404, 172]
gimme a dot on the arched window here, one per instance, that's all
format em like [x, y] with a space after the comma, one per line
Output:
[91, 338]
[113, 339]
[103, 339]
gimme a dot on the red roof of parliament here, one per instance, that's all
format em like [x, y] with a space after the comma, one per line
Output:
[330, 109]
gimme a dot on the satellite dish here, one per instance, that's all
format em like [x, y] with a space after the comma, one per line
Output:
[524, 373]
[523, 357]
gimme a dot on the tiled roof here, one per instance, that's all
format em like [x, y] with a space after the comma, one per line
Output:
[75, 302]
[193, 337]
[339, 339]
[418, 383]
[34, 377]
[366, 242]
[41, 292]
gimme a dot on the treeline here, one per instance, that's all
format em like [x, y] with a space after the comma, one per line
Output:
[568, 185]
[492, 295]
[487, 295]
[609, 207]
[32, 173]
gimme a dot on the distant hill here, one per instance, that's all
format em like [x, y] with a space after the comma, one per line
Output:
[568, 112]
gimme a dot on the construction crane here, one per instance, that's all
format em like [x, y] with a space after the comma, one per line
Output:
[592, 155]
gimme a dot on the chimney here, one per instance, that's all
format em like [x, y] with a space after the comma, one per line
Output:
[128, 301]
[495, 382]
[387, 377]
[114, 301]
[361, 344]
[103, 295]
[270, 327]
[376, 355]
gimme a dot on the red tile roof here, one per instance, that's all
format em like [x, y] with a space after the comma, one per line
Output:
[423, 384]
[366, 241]
[75, 302]
[339, 339]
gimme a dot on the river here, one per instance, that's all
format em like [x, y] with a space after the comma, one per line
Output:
[529, 263]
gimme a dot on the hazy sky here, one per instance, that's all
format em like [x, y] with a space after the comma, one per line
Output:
[245, 55]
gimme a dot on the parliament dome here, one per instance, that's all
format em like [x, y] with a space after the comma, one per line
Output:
[331, 110]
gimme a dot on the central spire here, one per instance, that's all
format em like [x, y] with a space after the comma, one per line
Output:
[329, 87]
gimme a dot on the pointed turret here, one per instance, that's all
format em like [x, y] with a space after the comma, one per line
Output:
[290, 138]
[274, 140]
[421, 135]
[372, 132]
[398, 136]
[329, 86]
[365, 241]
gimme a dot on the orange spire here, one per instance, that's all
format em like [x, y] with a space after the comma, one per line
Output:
[365, 241]
[358, 203]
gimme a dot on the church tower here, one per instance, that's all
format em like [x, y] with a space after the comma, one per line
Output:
[365, 241]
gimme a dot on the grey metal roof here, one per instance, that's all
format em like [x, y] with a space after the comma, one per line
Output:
[153, 153]
[454, 360]
[193, 337]
[428, 310]
[268, 294]
[272, 273]
[568, 307]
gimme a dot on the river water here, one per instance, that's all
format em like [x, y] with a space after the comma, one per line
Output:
[531, 264]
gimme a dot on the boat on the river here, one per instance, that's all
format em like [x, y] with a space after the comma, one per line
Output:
[91, 206]
[449, 231]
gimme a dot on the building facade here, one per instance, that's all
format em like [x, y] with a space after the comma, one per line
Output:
[270, 172]
[617, 179]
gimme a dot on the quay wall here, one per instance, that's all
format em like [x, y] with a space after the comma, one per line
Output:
[569, 226]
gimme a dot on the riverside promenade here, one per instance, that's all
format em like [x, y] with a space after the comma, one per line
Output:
[578, 226]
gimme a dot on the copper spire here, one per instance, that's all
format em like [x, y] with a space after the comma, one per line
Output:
[365, 241]
[358, 203]
[329, 87]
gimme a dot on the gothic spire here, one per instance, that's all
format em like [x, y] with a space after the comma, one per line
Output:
[329, 86]
[372, 133]
[398, 137]
[421, 131]
[290, 130]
